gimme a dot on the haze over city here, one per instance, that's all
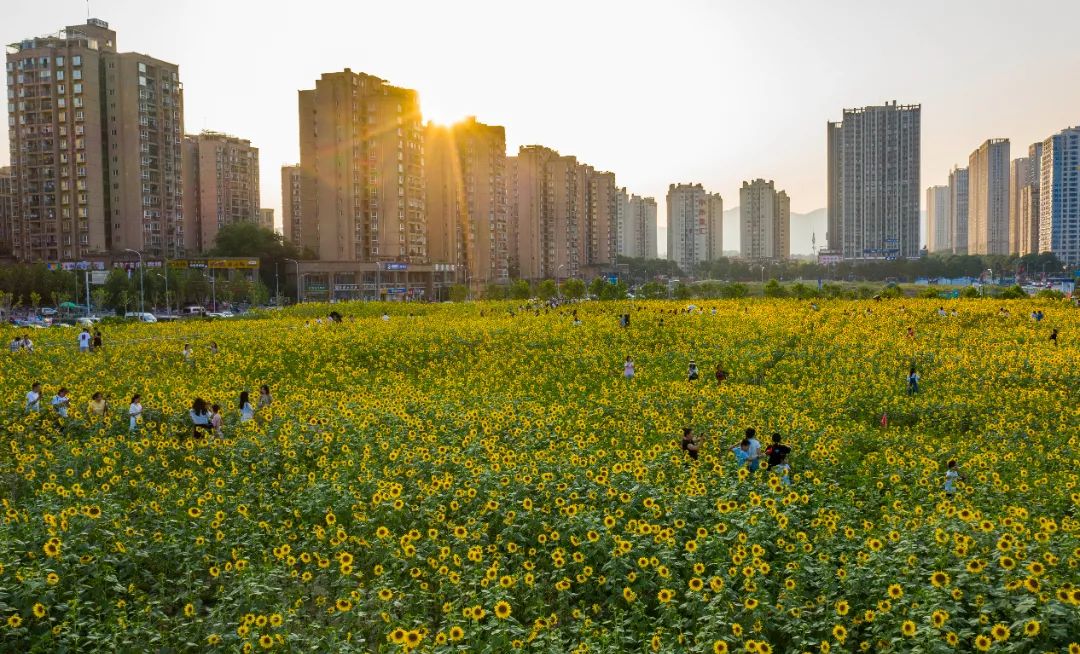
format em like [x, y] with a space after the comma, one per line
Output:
[715, 93]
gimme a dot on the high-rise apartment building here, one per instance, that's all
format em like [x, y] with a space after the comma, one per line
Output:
[563, 215]
[1019, 177]
[958, 209]
[643, 227]
[466, 199]
[7, 210]
[362, 170]
[95, 147]
[938, 219]
[221, 186]
[266, 218]
[988, 198]
[636, 225]
[291, 223]
[695, 228]
[873, 186]
[1029, 203]
[764, 221]
[601, 227]
[1059, 196]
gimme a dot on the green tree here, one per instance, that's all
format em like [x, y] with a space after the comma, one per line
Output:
[596, 287]
[774, 289]
[520, 290]
[652, 291]
[245, 239]
[459, 293]
[573, 288]
[117, 289]
[682, 291]
[495, 292]
[546, 290]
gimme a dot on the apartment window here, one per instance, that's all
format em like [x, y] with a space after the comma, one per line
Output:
[59, 76]
[77, 88]
[76, 60]
[59, 62]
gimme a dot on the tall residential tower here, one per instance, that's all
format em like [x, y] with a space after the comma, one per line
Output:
[873, 187]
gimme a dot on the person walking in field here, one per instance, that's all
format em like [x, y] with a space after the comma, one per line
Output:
[247, 413]
[742, 452]
[692, 372]
[782, 468]
[777, 452]
[188, 355]
[720, 374]
[61, 402]
[135, 410]
[265, 399]
[216, 421]
[200, 417]
[97, 408]
[690, 443]
[754, 450]
[952, 474]
[84, 340]
[1054, 337]
[97, 342]
[33, 398]
[912, 381]
[628, 368]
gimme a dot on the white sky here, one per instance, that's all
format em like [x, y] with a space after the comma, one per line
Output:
[658, 92]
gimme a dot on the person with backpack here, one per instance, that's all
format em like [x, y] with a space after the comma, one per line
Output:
[777, 452]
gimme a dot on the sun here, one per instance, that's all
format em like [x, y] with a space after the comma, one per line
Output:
[441, 113]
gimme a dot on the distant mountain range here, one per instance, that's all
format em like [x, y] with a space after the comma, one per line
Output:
[804, 228]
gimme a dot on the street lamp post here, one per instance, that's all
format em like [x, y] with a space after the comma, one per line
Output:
[165, 269]
[277, 286]
[297, 278]
[558, 287]
[142, 294]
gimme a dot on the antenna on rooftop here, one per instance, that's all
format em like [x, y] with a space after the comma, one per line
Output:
[87, 9]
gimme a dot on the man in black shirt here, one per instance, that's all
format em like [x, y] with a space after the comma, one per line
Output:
[777, 451]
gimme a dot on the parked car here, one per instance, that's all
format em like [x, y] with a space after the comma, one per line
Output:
[87, 321]
[194, 310]
[48, 311]
[142, 317]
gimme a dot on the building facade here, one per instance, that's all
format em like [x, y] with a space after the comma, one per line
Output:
[695, 225]
[221, 186]
[564, 216]
[1059, 196]
[938, 219]
[95, 147]
[291, 223]
[988, 198]
[1029, 203]
[958, 209]
[873, 185]
[467, 200]
[7, 210]
[266, 219]
[1019, 177]
[362, 170]
[764, 222]
[643, 224]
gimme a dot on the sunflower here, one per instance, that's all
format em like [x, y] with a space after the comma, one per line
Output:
[938, 618]
[908, 628]
[939, 579]
[839, 633]
[502, 610]
[14, 621]
[266, 641]
[983, 643]
[665, 595]
[750, 603]
[842, 608]
[895, 591]
[1032, 628]
[1000, 632]
[720, 647]
[456, 633]
[343, 605]
[39, 610]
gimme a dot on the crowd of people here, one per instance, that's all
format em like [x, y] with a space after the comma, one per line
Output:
[204, 417]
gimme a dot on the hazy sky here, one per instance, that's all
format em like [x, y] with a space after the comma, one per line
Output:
[658, 92]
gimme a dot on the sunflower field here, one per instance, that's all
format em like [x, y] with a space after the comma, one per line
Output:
[483, 478]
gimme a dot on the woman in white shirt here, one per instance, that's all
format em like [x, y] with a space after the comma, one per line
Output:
[246, 412]
[33, 398]
[200, 417]
[628, 368]
[134, 411]
[61, 402]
